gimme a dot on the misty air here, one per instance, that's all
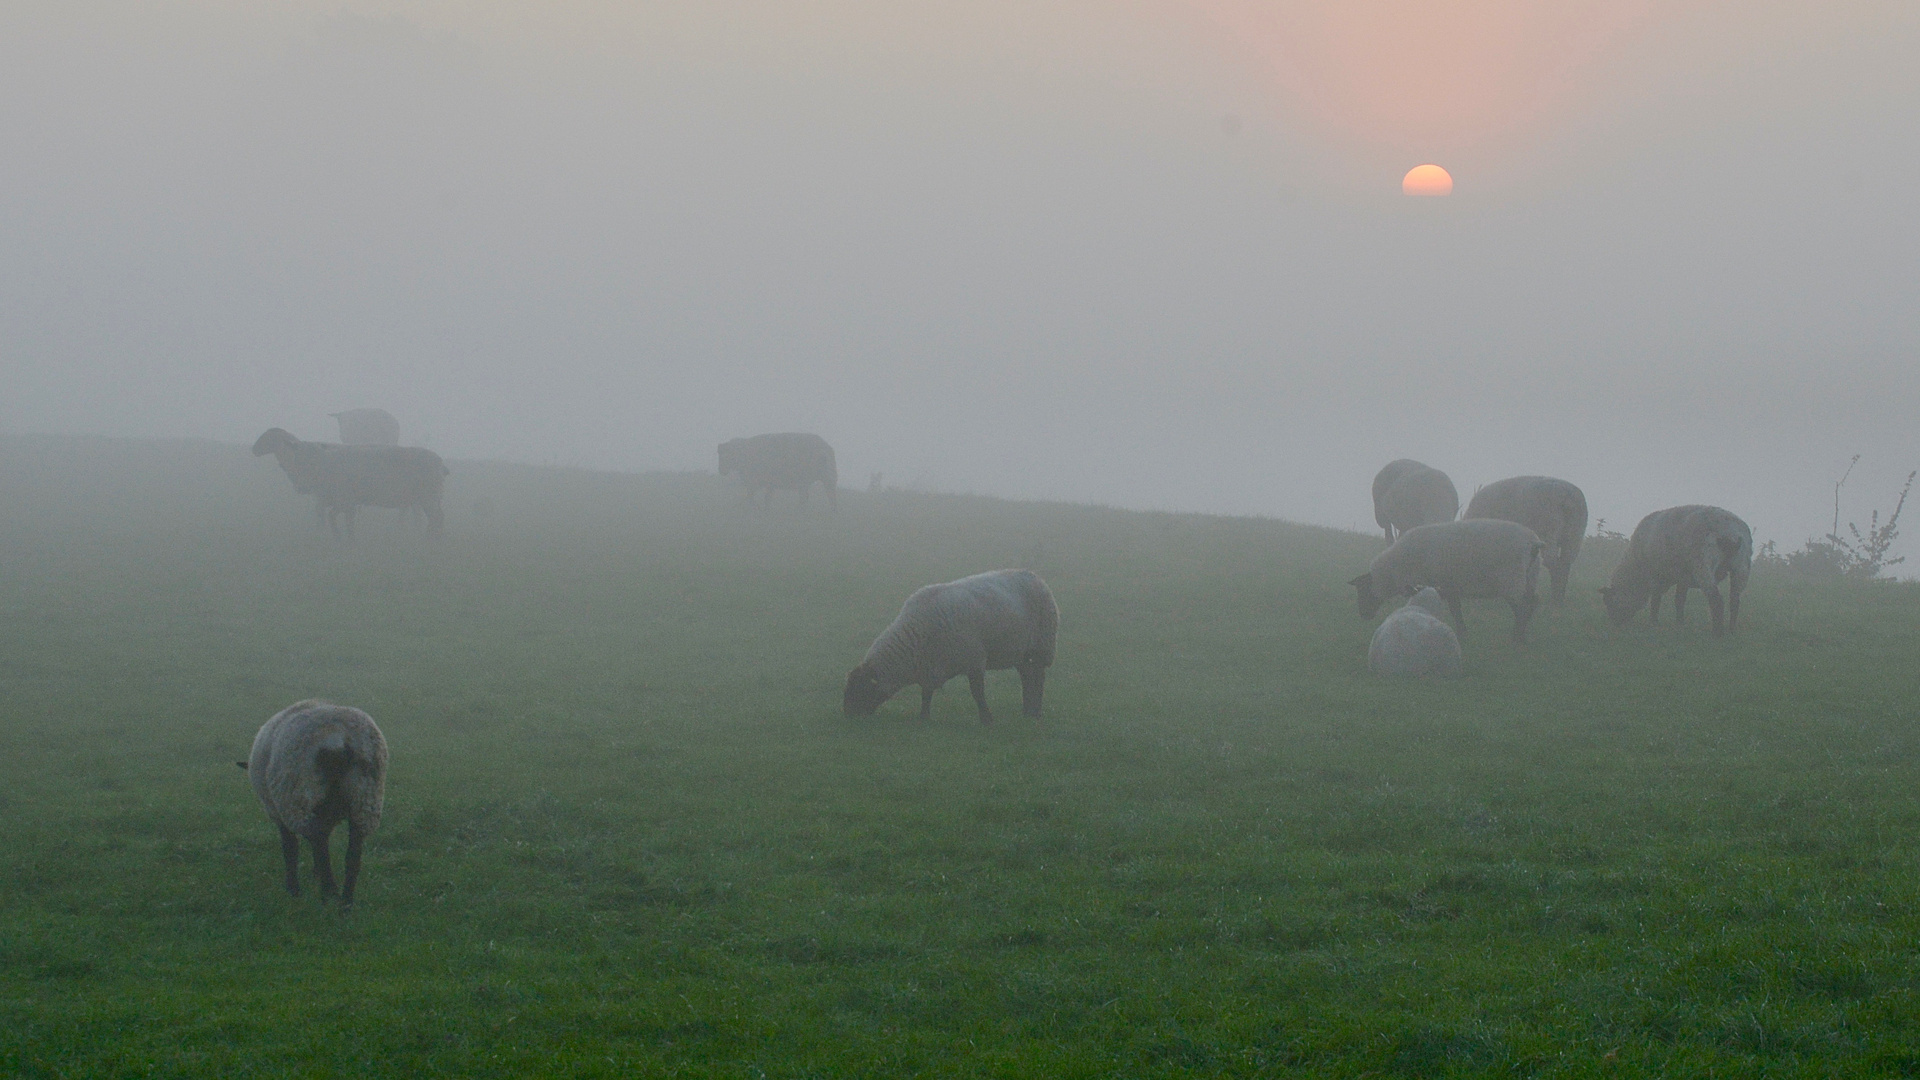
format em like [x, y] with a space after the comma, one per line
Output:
[1181, 538]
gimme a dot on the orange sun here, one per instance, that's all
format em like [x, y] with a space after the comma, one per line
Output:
[1427, 180]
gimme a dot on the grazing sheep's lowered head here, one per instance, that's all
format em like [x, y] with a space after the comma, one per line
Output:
[864, 693]
[273, 441]
[1369, 601]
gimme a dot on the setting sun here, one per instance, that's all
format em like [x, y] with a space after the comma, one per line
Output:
[1427, 180]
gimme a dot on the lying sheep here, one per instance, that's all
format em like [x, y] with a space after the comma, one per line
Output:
[1415, 641]
[314, 765]
[1686, 547]
[1407, 495]
[1554, 509]
[987, 622]
[1462, 560]
[791, 461]
[367, 427]
[343, 478]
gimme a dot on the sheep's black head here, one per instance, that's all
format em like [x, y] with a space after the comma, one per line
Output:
[274, 441]
[1620, 606]
[864, 694]
[1369, 601]
[730, 456]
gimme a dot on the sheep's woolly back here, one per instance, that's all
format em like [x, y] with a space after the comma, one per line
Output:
[1554, 509]
[314, 763]
[1414, 641]
[1481, 557]
[999, 619]
[1416, 495]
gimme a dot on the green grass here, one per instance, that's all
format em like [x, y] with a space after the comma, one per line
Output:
[629, 832]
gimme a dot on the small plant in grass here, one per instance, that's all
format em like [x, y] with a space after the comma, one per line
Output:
[1861, 554]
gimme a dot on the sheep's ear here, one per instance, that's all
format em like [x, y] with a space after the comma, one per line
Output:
[242, 764]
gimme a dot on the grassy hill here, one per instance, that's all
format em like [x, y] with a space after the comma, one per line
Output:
[629, 831]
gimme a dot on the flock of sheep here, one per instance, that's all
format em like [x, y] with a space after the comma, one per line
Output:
[1495, 550]
[315, 764]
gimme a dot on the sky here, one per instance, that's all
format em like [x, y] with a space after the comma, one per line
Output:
[1150, 253]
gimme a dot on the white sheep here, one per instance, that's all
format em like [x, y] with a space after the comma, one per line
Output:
[343, 478]
[1415, 640]
[1463, 560]
[367, 427]
[1554, 509]
[1685, 547]
[1407, 495]
[987, 622]
[314, 765]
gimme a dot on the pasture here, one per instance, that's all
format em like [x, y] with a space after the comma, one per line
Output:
[629, 832]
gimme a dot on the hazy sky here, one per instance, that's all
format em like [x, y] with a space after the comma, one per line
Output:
[1146, 252]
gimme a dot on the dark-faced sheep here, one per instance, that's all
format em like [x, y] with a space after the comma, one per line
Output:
[1683, 547]
[1555, 510]
[367, 427]
[1407, 495]
[343, 478]
[791, 461]
[313, 766]
[1415, 641]
[987, 622]
[1483, 559]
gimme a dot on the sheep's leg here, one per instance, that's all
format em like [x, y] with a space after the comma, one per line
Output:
[977, 682]
[355, 839]
[290, 851]
[926, 701]
[1653, 610]
[1523, 609]
[322, 862]
[1033, 682]
[1734, 589]
[1557, 572]
[1453, 604]
[1718, 608]
[1680, 603]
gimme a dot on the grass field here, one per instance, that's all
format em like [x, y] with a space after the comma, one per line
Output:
[628, 831]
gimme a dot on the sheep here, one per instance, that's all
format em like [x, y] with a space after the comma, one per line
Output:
[1415, 641]
[342, 478]
[1463, 560]
[313, 765]
[1686, 547]
[1553, 509]
[367, 427]
[1407, 495]
[987, 622]
[791, 461]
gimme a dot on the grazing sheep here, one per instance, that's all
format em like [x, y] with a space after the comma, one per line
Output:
[1554, 509]
[314, 765]
[1407, 495]
[1686, 547]
[368, 427]
[1462, 560]
[791, 461]
[342, 478]
[987, 622]
[1415, 641]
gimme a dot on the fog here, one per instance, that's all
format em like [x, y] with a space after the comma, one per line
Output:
[1151, 254]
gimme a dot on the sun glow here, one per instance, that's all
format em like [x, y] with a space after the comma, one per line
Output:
[1427, 180]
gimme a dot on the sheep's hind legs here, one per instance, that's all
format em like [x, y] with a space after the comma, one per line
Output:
[1033, 682]
[355, 839]
[926, 702]
[322, 863]
[290, 851]
[977, 682]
